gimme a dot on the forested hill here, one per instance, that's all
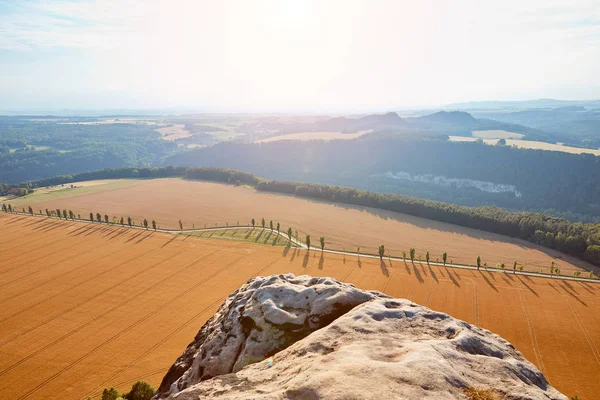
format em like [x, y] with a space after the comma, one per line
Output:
[463, 173]
[40, 147]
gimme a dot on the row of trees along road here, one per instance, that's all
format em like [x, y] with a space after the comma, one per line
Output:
[578, 239]
[98, 218]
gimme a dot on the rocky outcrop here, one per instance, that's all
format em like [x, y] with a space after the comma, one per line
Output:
[287, 337]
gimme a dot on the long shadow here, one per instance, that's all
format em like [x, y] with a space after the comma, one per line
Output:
[488, 281]
[35, 222]
[457, 275]
[527, 286]
[134, 236]
[552, 286]
[286, 250]
[585, 287]
[259, 236]
[454, 281]
[117, 234]
[321, 261]
[149, 235]
[305, 260]
[407, 269]
[170, 240]
[570, 286]
[294, 254]
[81, 231]
[491, 274]
[572, 295]
[433, 274]
[15, 220]
[418, 274]
[502, 275]
[267, 238]
[250, 231]
[383, 267]
[359, 262]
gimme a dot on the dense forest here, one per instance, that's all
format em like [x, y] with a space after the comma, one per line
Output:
[470, 174]
[410, 156]
[572, 125]
[42, 148]
[575, 238]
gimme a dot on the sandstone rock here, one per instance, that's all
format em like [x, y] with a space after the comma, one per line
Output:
[286, 337]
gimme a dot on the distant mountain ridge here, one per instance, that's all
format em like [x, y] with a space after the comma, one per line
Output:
[523, 104]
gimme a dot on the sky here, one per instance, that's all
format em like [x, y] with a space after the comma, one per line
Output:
[300, 56]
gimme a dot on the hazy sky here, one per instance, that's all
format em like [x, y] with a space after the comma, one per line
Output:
[285, 55]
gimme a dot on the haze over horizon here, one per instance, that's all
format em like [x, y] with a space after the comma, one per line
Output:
[296, 56]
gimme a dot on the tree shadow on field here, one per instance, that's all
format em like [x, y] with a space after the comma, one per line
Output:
[116, 234]
[250, 231]
[503, 276]
[15, 220]
[359, 262]
[433, 274]
[417, 273]
[383, 267]
[286, 250]
[294, 253]
[574, 295]
[134, 236]
[406, 266]
[528, 287]
[488, 281]
[321, 261]
[553, 287]
[169, 241]
[81, 230]
[267, 238]
[454, 281]
[35, 222]
[256, 239]
[149, 235]
[585, 287]
[305, 260]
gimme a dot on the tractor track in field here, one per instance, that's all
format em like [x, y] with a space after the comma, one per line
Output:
[182, 326]
[131, 326]
[534, 342]
[84, 302]
[62, 275]
[7, 261]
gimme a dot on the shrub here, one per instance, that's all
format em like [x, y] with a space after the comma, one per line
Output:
[110, 394]
[141, 391]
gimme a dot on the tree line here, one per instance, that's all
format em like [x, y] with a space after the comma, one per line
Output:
[578, 239]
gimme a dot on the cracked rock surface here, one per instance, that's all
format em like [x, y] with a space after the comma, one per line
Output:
[288, 337]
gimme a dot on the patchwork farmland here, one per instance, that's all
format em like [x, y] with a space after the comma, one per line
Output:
[84, 306]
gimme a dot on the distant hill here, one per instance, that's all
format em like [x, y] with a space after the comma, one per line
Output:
[451, 117]
[521, 105]
[338, 124]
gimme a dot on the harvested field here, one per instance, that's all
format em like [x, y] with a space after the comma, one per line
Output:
[174, 132]
[531, 144]
[314, 136]
[205, 203]
[497, 134]
[84, 306]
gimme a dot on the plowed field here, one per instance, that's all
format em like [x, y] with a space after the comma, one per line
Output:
[84, 306]
[203, 203]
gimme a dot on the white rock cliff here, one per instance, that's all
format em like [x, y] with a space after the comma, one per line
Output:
[287, 337]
